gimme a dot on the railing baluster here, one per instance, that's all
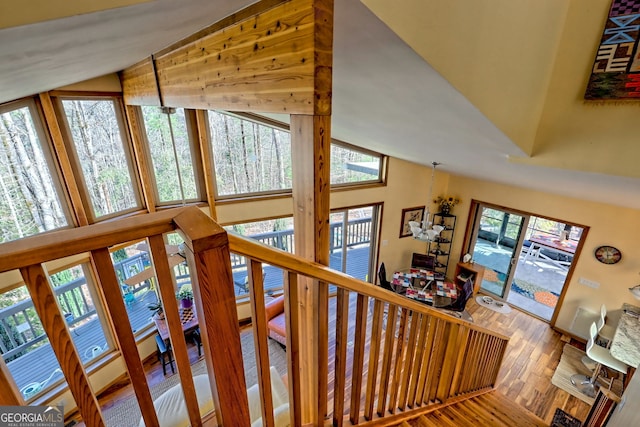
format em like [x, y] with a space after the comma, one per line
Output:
[45, 304]
[166, 285]
[374, 356]
[398, 362]
[292, 316]
[357, 370]
[116, 310]
[389, 339]
[340, 357]
[261, 340]
[408, 362]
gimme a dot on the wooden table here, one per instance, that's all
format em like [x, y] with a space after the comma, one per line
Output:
[421, 285]
[565, 247]
[625, 345]
[188, 318]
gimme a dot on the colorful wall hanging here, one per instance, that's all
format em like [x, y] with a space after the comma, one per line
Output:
[616, 69]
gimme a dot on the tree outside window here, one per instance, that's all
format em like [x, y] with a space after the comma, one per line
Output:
[29, 193]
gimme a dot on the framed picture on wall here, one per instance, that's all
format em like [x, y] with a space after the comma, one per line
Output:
[410, 214]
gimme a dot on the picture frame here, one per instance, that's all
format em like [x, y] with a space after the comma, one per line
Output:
[410, 214]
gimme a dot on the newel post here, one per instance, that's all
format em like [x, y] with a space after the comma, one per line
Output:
[215, 302]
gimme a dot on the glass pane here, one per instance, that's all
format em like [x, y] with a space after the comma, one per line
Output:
[137, 283]
[25, 347]
[169, 175]
[76, 301]
[494, 248]
[349, 165]
[275, 232]
[97, 138]
[249, 157]
[29, 200]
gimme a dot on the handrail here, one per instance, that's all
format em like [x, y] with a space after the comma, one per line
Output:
[403, 364]
[294, 263]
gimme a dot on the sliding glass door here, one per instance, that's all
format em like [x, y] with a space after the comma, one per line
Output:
[496, 247]
[526, 258]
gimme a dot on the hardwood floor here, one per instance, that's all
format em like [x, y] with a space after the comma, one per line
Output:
[531, 358]
[525, 377]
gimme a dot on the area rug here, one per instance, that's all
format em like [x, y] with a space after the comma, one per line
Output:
[535, 292]
[570, 364]
[127, 414]
[522, 287]
[562, 419]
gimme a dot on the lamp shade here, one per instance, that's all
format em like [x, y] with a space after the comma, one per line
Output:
[635, 291]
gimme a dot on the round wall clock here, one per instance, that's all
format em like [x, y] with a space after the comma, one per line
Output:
[608, 254]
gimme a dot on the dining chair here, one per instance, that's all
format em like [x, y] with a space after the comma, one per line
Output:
[605, 332]
[602, 357]
[382, 278]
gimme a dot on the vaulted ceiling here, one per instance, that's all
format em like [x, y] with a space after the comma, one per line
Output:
[493, 89]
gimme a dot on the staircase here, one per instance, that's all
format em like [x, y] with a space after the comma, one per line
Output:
[490, 409]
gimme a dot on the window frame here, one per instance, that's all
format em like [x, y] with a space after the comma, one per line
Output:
[79, 178]
[266, 121]
[41, 129]
[196, 160]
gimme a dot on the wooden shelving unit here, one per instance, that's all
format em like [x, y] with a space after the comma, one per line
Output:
[464, 270]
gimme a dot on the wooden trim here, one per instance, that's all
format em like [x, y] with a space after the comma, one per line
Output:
[203, 71]
[139, 84]
[140, 147]
[10, 395]
[62, 157]
[206, 156]
[59, 244]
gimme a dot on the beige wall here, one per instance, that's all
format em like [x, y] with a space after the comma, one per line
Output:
[609, 225]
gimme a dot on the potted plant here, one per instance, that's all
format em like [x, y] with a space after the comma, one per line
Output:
[446, 203]
[156, 309]
[185, 295]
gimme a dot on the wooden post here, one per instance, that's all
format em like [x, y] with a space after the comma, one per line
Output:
[44, 301]
[207, 250]
[310, 152]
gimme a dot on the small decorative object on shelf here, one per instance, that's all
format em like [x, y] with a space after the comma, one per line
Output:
[446, 203]
[440, 246]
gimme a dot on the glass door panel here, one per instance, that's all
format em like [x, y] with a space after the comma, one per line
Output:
[495, 245]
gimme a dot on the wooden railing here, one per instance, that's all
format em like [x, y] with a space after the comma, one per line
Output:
[406, 357]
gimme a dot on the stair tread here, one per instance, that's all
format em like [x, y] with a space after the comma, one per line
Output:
[489, 409]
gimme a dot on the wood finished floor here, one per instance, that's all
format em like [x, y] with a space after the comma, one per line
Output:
[525, 377]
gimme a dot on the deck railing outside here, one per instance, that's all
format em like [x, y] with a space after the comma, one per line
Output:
[404, 357]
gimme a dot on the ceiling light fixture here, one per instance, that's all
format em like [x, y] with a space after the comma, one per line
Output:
[425, 231]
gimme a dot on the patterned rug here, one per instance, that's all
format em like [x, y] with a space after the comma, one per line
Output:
[524, 288]
[535, 292]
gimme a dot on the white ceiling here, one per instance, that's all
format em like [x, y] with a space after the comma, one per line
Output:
[385, 97]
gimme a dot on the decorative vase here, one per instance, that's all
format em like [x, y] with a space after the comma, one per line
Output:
[186, 303]
[445, 209]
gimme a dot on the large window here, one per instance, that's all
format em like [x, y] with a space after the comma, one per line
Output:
[172, 155]
[103, 158]
[350, 165]
[254, 156]
[249, 157]
[30, 200]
